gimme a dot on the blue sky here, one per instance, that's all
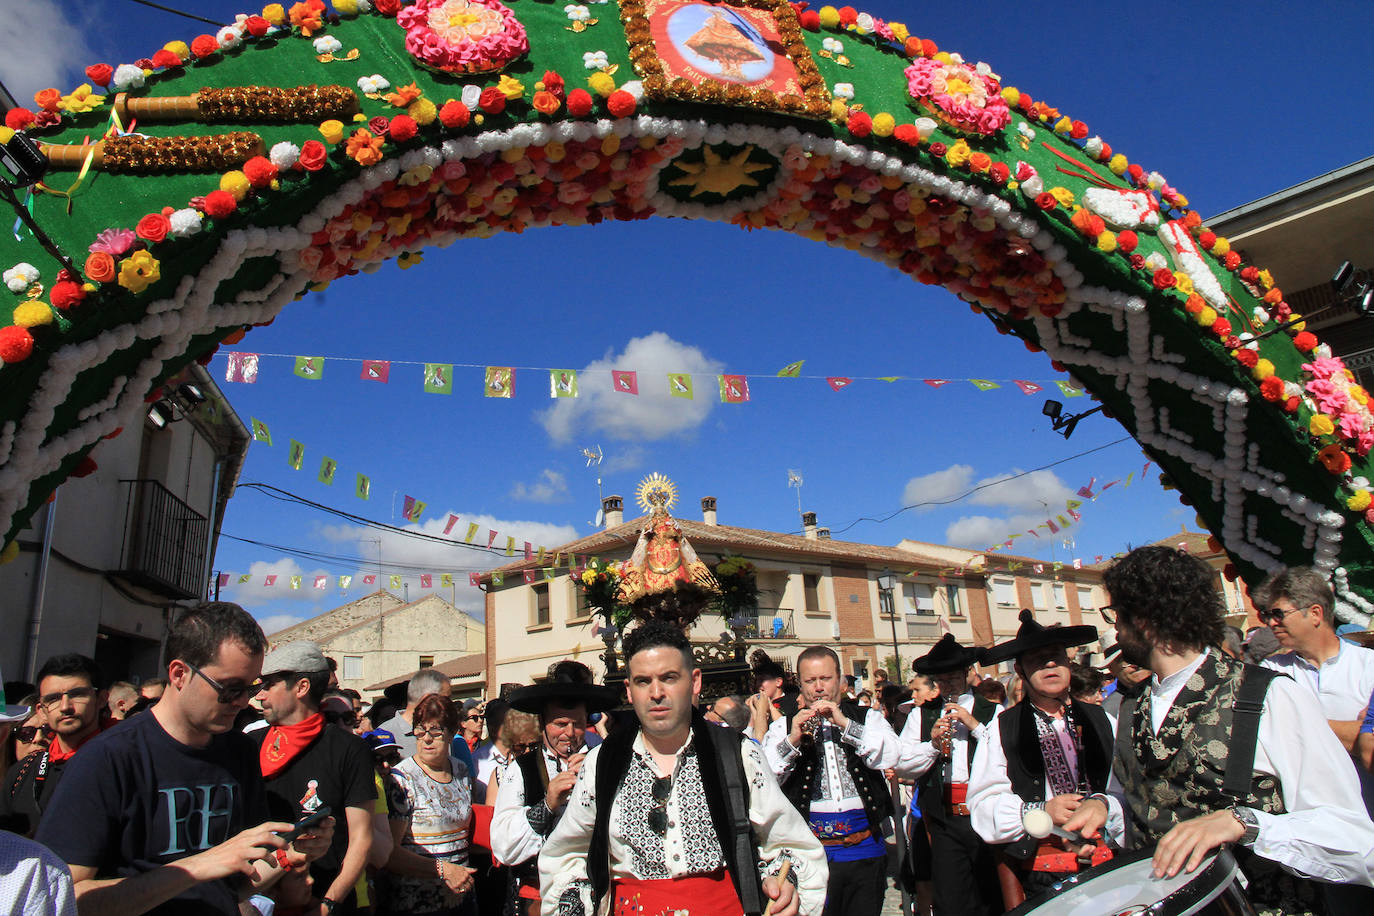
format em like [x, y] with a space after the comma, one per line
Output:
[1229, 101]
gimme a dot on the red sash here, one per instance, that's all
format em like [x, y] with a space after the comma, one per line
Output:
[698, 895]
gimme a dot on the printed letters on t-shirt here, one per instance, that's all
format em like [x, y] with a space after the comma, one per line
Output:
[197, 817]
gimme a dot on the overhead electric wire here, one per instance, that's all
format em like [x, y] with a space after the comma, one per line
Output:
[338, 559]
[177, 12]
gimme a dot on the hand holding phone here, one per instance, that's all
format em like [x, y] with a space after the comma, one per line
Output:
[304, 824]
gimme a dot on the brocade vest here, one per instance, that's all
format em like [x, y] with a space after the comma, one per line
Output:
[1026, 761]
[1178, 775]
[801, 783]
[930, 787]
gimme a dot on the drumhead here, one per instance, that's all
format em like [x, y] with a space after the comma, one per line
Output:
[1126, 886]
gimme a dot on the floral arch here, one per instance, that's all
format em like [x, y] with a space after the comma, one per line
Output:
[198, 191]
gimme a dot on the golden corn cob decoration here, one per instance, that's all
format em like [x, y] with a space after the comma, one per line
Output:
[243, 104]
[136, 154]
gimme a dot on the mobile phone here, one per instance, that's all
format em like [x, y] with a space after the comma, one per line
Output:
[304, 824]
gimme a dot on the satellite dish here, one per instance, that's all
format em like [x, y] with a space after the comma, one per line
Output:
[600, 517]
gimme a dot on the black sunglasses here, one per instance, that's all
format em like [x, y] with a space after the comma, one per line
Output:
[658, 814]
[27, 733]
[228, 695]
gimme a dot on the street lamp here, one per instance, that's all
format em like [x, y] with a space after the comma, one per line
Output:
[886, 583]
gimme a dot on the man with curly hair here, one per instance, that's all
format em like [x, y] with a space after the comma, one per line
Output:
[676, 815]
[1216, 752]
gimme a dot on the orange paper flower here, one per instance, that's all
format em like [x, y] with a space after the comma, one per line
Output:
[364, 147]
[402, 97]
[308, 16]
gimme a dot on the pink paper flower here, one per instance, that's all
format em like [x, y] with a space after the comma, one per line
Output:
[114, 242]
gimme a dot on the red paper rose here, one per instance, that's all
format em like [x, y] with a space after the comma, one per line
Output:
[579, 103]
[259, 171]
[1163, 278]
[452, 114]
[1334, 459]
[16, 344]
[906, 134]
[1247, 358]
[554, 83]
[860, 123]
[312, 156]
[100, 74]
[1127, 240]
[1046, 201]
[492, 100]
[1078, 130]
[1136, 172]
[621, 103]
[65, 294]
[379, 125]
[165, 59]
[47, 99]
[1291, 405]
[153, 228]
[938, 149]
[1232, 260]
[387, 7]
[1305, 341]
[219, 204]
[810, 20]
[1105, 154]
[1272, 388]
[1137, 261]
[1232, 342]
[402, 128]
[18, 118]
[1251, 274]
[1221, 327]
[256, 26]
[848, 15]
[204, 45]
[1207, 239]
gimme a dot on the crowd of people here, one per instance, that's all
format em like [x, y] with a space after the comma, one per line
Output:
[246, 782]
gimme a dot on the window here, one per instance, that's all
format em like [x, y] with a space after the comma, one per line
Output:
[540, 597]
[426, 661]
[1060, 601]
[352, 667]
[811, 592]
[580, 611]
[956, 609]
[1040, 593]
[1085, 598]
[1004, 592]
[920, 599]
[860, 668]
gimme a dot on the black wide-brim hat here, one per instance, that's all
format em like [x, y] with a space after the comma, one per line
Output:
[1034, 635]
[533, 699]
[947, 655]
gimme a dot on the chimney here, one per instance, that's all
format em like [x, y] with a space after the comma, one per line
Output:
[614, 507]
[708, 510]
[809, 525]
[823, 534]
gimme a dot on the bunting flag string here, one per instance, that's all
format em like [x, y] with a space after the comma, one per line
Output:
[500, 381]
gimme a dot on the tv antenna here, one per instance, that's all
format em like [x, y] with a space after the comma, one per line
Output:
[594, 457]
[794, 479]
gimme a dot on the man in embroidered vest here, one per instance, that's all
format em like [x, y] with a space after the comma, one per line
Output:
[936, 750]
[1197, 769]
[1045, 752]
[675, 814]
[535, 789]
[830, 758]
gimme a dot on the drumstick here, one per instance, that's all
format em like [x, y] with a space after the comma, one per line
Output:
[135, 153]
[1040, 824]
[255, 104]
[782, 876]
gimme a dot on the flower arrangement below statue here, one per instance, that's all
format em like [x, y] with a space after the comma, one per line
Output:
[739, 587]
[600, 585]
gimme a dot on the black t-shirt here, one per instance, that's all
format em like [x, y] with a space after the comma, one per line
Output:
[29, 786]
[336, 770]
[135, 798]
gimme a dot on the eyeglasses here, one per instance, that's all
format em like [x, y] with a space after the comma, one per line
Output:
[1108, 613]
[518, 749]
[1276, 614]
[431, 733]
[30, 733]
[229, 695]
[658, 814]
[76, 695]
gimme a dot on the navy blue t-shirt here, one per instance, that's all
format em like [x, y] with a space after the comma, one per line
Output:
[136, 798]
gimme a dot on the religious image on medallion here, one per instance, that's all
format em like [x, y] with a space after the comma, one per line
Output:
[720, 41]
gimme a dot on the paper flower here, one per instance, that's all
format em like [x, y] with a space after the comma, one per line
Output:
[595, 60]
[284, 155]
[463, 36]
[21, 276]
[577, 12]
[373, 85]
[126, 77]
[843, 91]
[139, 271]
[968, 98]
[81, 100]
[327, 44]
[364, 147]
[100, 267]
[184, 222]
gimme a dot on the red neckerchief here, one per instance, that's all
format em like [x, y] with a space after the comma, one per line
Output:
[57, 750]
[284, 743]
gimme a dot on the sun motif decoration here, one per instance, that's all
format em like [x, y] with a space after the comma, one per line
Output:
[717, 174]
[656, 493]
[463, 36]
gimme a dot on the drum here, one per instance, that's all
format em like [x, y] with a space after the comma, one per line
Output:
[1126, 886]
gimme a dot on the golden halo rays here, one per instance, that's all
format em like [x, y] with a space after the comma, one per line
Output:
[656, 492]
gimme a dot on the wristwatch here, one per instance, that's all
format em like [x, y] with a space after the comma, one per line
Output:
[328, 904]
[1247, 820]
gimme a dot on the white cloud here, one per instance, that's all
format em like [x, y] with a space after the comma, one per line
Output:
[40, 47]
[625, 458]
[1038, 491]
[549, 487]
[653, 413]
[275, 623]
[938, 486]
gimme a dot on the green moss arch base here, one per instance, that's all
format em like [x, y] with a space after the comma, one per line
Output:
[1042, 229]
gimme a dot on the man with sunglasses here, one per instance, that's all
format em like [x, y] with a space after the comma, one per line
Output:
[70, 692]
[675, 813]
[167, 813]
[309, 765]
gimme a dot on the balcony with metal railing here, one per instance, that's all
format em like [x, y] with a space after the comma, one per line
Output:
[770, 623]
[165, 541]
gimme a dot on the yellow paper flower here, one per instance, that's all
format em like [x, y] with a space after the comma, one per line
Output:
[1321, 425]
[139, 271]
[555, 152]
[179, 48]
[958, 154]
[884, 124]
[236, 183]
[1266, 279]
[1263, 369]
[513, 89]
[1063, 195]
[1011, 95]
[32, 314]
[603, 84]
[346, 8]
[1359, 502]
[1183, 283]
[409, 259]
[899, 31]
[1063, 125]
[332, 131]
[423, 111]
[274, 13]
[1221, 247]
[1207, 317]
[1106, 241]
[81, 100]
[1118, 164]
[1358, 393]
[839, 110]
[6, 134]
[830, 17]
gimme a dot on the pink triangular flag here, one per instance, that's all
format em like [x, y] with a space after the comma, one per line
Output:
[838, 381]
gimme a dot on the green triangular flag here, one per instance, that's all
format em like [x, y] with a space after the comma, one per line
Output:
[498, 578]
[364, 488]
[310, 367]
[245, 578]
[791, 370]
[1069, 390]
[260, 431]
[472, 533]
[327, 468]
[345, 581]
[983, 384]
[395, 581]
[295, 581]
[438, 378]
[549, 573]
[680, 385]
[562, 383]
[295, 455]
